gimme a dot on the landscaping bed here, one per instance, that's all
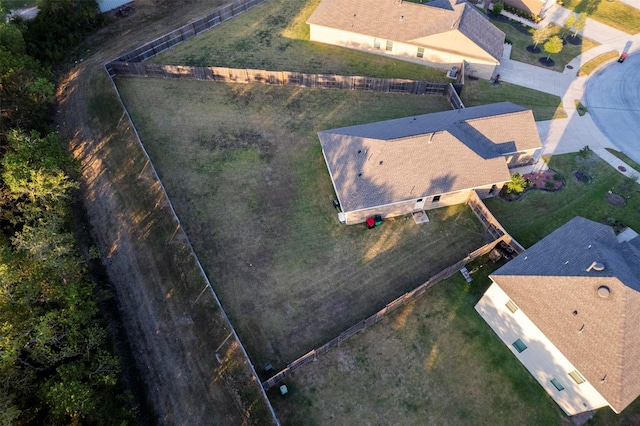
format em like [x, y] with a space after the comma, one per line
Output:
[547, 180]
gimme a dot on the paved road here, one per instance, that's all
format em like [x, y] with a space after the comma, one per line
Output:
[613, 99]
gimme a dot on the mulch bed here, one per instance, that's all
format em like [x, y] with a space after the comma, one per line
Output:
[616, 200]
[576, 41]
[581, 177]
[532, 49]
[547, 62]
[538, 181]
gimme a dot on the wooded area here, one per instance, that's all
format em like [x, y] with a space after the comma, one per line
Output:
[57, 364]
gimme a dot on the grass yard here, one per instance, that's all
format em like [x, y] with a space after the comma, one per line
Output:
[244, 169]
[434, 361]
[594, 63]
[615, 14]
[546, 211]
[274, 36]
[520, 37]
[543, 105]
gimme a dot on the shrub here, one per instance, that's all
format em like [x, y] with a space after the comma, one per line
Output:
[497, 8]
[558, 176]
[584, 152]
[516, 185]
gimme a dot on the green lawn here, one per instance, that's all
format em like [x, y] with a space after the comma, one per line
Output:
[615, 14]
[539, 213]
[543, 105]
[594, 63]
[520, 40]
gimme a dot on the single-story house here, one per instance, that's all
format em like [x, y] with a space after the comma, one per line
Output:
[569, 309]
[395, 167]
[440, 34]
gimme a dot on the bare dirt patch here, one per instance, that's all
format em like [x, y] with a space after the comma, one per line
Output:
[172, 321]
[616, 200]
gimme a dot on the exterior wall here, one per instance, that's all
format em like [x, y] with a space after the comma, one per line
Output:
[459, 48]
[543, 360]
[406, 207]
[531, 6]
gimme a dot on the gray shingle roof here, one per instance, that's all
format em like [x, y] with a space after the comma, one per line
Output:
[406, 22]
[397, 160]
[552, 285]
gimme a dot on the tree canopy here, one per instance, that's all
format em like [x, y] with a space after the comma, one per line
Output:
[57, 365]
[553, 46]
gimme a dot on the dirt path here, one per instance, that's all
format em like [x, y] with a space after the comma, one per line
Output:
[193, 373]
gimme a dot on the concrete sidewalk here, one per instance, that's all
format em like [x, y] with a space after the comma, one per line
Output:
[573, 133]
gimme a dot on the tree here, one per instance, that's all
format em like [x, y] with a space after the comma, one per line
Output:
[579, 24]
[567, 25]
[497, 8]
[541, 35]
[553, 46]
[59, 25]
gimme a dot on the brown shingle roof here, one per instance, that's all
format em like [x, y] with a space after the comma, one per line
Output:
[397, 160]
[552, 286]
[406, 22]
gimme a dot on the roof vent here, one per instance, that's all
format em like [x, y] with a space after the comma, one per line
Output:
[603, 291]
[596, 266]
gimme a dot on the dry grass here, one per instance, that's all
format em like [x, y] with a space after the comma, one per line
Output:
[434, 361]
[594, 63]
[174, 327]
[244, 169]
[275, 36]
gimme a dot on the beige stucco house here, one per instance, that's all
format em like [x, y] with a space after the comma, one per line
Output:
[397, 167]
[569, 309]
[535, 7]
[441, 34]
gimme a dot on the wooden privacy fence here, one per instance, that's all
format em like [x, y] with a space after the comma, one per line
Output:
[188, 31]
[282, 78]
[490, 223]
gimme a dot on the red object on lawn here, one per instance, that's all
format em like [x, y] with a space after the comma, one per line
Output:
[371, 222]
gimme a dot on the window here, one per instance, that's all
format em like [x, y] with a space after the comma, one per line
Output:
[511, 306]
[420, 53]
[389, 45]
[436, 199]
[376, 43]
[519, 345]
[577, 377]
[557, 384]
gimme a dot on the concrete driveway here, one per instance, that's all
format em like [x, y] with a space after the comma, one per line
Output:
[613, 99]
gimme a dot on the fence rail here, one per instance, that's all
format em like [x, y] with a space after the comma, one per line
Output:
[282, 78]
[192, 29]
[491, 224]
